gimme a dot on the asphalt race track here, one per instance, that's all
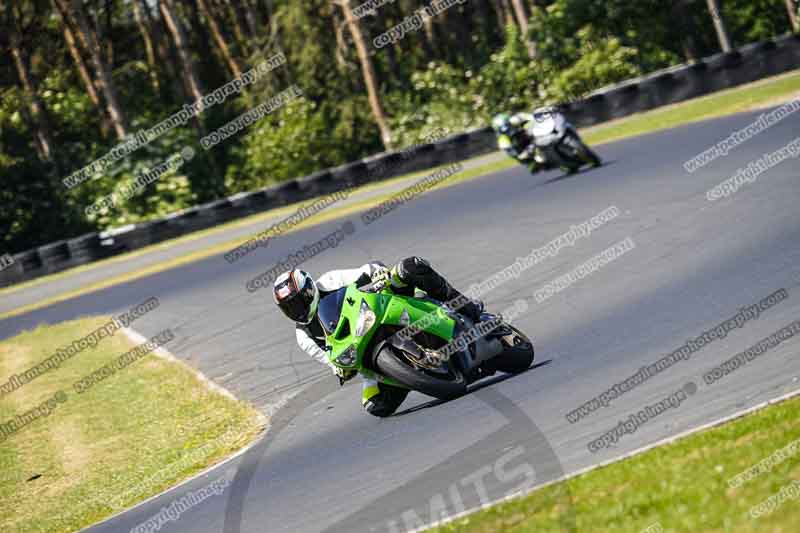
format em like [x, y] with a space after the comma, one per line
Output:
[327, 466]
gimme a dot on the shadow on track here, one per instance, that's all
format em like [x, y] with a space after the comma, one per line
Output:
[578, 173]
[473, 388]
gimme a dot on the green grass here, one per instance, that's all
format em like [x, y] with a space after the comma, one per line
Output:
[718, 104]
[683, 486]
[138, 432]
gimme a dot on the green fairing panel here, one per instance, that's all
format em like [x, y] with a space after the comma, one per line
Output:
[389, 310]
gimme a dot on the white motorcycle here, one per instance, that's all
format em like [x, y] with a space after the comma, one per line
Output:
[556, 143]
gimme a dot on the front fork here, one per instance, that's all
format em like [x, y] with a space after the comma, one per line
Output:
[536, 162]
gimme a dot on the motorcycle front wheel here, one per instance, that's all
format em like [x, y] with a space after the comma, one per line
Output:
[447, 384]
[584, 152]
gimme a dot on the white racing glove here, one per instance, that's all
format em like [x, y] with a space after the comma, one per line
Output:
[384, 277]
[381, 274]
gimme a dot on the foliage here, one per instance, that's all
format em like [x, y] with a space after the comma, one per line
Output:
[600, 62]
[458, 70]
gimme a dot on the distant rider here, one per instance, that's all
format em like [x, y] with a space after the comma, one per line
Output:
[514, 137]
[297, 295]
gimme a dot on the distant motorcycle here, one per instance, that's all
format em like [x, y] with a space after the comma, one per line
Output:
[556, 143]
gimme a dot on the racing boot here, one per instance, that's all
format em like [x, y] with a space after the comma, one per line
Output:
[417, 272]
[472, 309]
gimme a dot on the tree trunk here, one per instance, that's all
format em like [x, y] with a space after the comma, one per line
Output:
[689, 54]
[719, 25]
[680, 13]
[181, 45]
[521, 13]
[80, 64]
[522, 20]
[508, 14]
[499, 13]
[219, 38]
[793, 19]
[391, 58]
[456, 39]
[341, 44]
[470, 21]
[36, 110]
[40, 124]
[265, 11]
[482, 16]
[149, 48]
[158, 32]
[370, 79]
[102, 71]
[86, 77]
[429, 41]
[196, 32]
[238, 29]
[190, 77]
[244, 18]
[157, 35]
[105, 37]
[250, 18]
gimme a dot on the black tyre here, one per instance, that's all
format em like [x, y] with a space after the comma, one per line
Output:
[518, 355]
[568, 148]
[584, 152]
[445, 385]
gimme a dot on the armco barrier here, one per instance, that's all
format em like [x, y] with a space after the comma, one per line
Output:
[676, 84]
[667, 86]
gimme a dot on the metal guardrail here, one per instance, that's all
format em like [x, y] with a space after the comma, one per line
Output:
[668, 86]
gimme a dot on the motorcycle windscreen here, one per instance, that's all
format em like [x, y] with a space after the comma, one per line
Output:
[330, 310]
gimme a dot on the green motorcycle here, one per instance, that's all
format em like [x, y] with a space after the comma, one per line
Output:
[415, 342]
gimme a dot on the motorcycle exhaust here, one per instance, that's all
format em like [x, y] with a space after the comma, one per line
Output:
[481, 350]
[485, 349]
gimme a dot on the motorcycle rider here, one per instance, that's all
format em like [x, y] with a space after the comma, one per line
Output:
[513, 137]
[297, 295]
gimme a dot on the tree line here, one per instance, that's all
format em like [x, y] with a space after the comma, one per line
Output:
[80, 78]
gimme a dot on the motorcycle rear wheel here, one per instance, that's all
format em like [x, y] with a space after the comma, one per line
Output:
[515, 358]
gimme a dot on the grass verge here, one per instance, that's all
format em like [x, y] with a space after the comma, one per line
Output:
[722, 103]
[138, 432]
[683, 486]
